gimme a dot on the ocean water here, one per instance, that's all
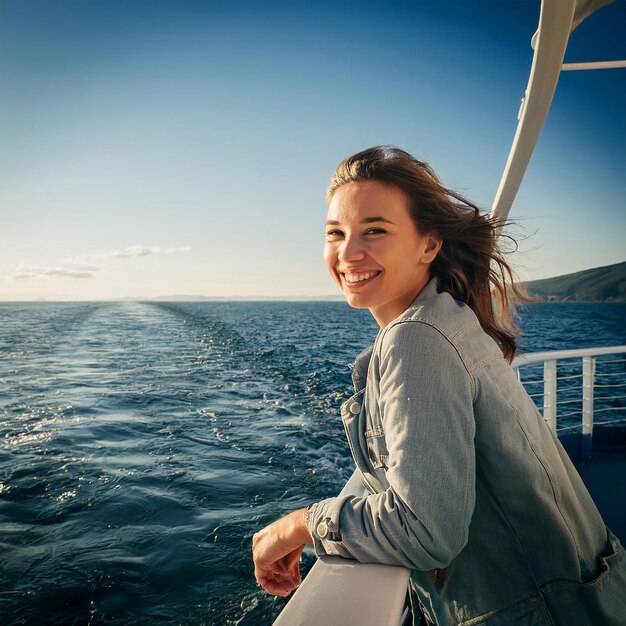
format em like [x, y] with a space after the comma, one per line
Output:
[144, 443]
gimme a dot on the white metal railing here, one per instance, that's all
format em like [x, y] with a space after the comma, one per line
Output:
[588, 361]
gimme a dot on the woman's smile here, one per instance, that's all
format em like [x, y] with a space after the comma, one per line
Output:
[355, 279]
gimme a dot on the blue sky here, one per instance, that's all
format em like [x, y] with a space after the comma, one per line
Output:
[183, 147]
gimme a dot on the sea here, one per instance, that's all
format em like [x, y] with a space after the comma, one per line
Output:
[143, 443]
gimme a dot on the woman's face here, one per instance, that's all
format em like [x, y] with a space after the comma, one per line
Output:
[374, 251]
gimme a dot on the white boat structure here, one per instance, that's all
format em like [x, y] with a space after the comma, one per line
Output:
[583, 386]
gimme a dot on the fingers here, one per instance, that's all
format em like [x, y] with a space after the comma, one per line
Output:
[277, 581]
[288, 575]
[289, 571]
[278, 589]
[278, 585]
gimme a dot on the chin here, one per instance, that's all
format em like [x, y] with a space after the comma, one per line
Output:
[355, 301]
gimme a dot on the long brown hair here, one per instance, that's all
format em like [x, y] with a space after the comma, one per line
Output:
[470, 265]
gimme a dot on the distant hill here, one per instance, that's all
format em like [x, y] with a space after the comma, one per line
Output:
[600, 284]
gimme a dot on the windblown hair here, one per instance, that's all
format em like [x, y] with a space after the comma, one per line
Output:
[470, 264]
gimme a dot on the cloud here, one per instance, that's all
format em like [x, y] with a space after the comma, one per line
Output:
[84, 266]
[84, 262]
[132, 251]
[28, 272]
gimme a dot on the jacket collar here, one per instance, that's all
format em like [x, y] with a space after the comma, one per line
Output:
[361, 363]
[429, 291]
[359, 368]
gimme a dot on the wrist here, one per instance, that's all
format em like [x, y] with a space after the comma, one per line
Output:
[299, 528]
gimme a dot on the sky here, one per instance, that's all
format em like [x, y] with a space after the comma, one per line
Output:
[165, 147]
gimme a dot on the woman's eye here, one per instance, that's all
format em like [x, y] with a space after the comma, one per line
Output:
[333, 234]
[375, 231]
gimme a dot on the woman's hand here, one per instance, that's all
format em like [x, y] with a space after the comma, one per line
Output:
[276, 553]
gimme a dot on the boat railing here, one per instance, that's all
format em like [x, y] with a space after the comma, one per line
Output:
[564, 384]
[572, 387]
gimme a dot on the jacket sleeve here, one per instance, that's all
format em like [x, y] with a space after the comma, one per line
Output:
[422, 519]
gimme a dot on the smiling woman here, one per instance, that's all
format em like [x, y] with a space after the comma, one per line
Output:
[468, 486]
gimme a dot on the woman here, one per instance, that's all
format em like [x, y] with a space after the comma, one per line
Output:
[469, 487]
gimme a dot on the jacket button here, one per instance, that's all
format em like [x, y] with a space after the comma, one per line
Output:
[322, 530]
[355, 408]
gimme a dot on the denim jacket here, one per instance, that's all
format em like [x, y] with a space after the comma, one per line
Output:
[468, 486]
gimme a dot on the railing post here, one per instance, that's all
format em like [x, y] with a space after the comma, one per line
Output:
[549, 393]
[589, 368]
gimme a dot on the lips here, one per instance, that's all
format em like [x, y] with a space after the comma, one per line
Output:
[356, 279]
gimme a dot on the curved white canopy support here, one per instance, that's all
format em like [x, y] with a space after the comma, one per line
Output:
[555, 25]
[558, 18]
[583, 9]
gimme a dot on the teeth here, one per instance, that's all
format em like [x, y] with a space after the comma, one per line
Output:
[357, 278]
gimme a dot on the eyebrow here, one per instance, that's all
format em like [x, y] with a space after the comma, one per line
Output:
[366, 220]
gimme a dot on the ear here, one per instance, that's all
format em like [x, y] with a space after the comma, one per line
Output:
[432, 245]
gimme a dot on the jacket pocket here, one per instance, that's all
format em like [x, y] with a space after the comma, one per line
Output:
[601, 600]
[376, 448]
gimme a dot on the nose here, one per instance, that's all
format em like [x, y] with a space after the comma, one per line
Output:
[351, 250]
